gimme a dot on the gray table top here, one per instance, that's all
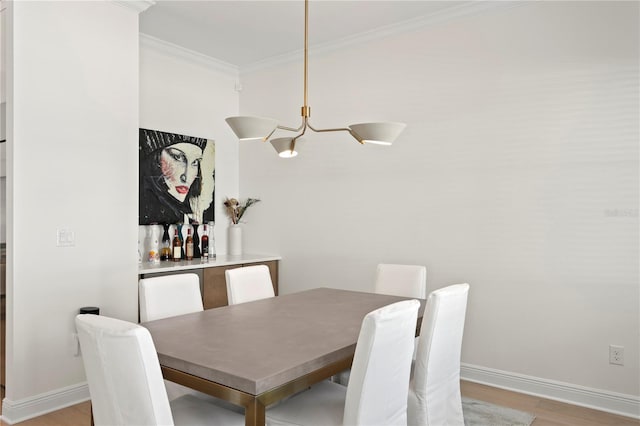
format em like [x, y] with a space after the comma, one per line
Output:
[257, 346]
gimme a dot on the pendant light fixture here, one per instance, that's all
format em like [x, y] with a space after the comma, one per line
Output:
[248, 127]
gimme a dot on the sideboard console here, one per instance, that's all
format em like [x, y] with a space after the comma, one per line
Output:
[212, 278]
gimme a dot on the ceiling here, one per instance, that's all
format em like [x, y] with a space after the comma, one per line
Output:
[242, 33]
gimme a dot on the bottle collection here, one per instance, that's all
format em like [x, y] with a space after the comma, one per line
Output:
[189, 242]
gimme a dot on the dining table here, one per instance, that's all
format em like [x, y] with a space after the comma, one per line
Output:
[257, 353]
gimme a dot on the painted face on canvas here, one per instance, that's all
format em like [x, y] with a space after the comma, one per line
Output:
[180, 164]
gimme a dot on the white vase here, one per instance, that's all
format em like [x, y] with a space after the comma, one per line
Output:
[235, 240]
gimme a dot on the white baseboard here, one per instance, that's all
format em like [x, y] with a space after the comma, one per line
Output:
[611, 402]
[18, 411]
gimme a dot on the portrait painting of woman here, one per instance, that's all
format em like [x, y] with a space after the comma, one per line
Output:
[177, 178]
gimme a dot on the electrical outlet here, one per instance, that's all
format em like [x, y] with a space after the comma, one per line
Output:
[616, 355]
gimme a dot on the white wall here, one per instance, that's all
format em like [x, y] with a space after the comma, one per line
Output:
[3, 98]
[182, 92]
[89, 88]
[517, 173]
[72, 83]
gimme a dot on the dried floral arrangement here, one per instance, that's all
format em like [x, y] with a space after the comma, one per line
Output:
[235, 210]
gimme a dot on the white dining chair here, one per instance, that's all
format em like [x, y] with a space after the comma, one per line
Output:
[378, 390]
[168, 296]
[401, 280]
[434, 392]
[125, 381]
[396, 280]
[248, 283]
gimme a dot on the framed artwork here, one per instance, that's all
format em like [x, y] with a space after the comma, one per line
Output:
[177, 178]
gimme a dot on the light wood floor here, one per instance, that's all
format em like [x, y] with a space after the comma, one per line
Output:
[547, 412]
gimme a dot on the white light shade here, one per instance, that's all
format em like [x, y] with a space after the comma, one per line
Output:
[378, 133]
[247, 128]
[283, 146]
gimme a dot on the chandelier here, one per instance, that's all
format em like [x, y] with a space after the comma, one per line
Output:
[250, 128]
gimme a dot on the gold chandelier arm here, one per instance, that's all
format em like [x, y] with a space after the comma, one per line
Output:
[266, 138]
[302, 129]
[291, 129]
[338, 129]
[305, 124]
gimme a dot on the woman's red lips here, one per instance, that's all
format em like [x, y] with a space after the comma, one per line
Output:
[182, 189]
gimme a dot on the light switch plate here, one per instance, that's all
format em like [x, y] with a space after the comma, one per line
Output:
[66, 238]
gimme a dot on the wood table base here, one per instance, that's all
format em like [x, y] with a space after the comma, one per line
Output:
[255, 405]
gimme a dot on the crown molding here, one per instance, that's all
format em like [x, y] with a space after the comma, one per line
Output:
[136, 5]
[174, 50]
[456, 12]
[450, 14]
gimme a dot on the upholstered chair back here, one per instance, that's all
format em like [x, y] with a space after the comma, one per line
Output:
[401, 280]
[434, 396]
[168, 296]
[381, 366]
[125, 381]
[248, 284]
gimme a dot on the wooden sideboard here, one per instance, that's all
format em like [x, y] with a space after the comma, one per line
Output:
[213, 282]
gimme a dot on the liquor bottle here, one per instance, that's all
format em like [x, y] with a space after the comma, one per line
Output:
[212, 241]
[189, 244]
[165, 250]
[196, 242]
[181, 236]
[177, 248]
[204, 242]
